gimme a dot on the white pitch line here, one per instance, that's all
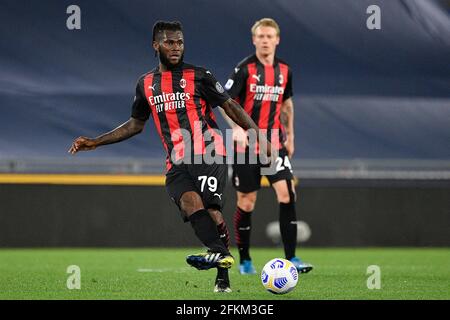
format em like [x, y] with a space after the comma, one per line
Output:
[177, 270]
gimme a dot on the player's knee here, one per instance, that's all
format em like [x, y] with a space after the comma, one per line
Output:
[247, 207]
[191, 202]
[288, 194]
[247, 203]
[284, 197]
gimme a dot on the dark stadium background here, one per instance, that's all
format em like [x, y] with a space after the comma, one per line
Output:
[372, 119]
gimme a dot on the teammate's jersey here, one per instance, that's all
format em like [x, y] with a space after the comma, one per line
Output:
[261, 90]
[180, 102]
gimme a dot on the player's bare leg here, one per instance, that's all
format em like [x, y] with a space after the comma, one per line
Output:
[190, 203]
[247, 201]
[286, 197]
[242, 224]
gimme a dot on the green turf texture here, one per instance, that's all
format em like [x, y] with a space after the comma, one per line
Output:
[406, 273]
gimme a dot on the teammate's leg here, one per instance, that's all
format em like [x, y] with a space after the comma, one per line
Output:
[242, 226]
[247, 182]
[287, 214]
[286, 197]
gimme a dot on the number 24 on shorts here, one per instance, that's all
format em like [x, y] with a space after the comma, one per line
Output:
[281, 166]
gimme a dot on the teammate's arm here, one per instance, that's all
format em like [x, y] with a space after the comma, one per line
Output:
[287, 120]
[124, 131]
[242, 119]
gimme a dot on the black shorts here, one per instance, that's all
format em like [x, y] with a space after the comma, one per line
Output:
[208, 180]
[247, 177]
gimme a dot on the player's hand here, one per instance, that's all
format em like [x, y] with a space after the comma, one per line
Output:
[290, 147]
[269, 149]
[240, 136]
[82, 144]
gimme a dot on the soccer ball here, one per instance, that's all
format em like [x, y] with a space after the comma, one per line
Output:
[279, 276]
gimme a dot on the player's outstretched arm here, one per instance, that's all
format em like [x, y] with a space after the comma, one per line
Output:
[124, 131]
[242, 119]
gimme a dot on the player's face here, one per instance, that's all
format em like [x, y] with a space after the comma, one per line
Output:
[171, 47]
[265, 40]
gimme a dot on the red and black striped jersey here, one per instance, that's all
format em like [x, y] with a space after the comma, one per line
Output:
[180, 102]
[261, 90]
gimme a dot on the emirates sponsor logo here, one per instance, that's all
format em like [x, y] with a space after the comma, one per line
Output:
[169, 101]
[266, 93]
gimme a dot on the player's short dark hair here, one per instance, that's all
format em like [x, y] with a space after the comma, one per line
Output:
[160, 26]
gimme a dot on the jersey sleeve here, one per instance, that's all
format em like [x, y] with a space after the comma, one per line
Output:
[212, 91]
[288, 90]
[236, 82]
[140, 109]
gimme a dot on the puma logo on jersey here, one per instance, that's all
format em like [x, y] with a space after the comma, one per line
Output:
[257, 77]
[236, 70]
[152, 87]
[218, 195]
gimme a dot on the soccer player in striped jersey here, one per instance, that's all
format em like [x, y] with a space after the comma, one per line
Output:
[179, 97]
[262, 83]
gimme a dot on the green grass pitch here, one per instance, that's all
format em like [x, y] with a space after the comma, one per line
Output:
[406, 273]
